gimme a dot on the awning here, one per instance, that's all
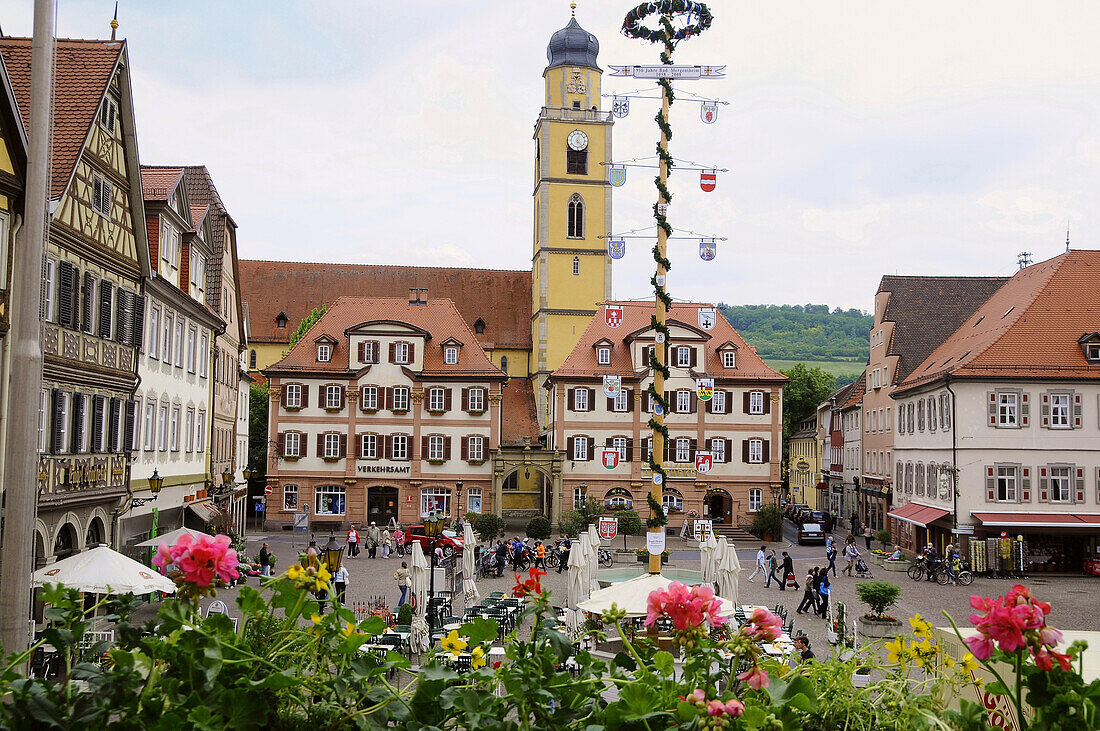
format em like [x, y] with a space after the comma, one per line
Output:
[822, 485]
[1040, 520]
[206, 511]
[918, 514]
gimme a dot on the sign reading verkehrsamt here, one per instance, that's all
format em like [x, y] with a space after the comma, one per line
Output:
[383, 469]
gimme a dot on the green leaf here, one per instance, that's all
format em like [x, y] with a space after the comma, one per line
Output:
[277, 681]
[641, 699]
[479, 630]
[664, 663]
[625, 661]
[373, 626]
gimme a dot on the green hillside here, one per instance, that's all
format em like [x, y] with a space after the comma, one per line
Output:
[804, 333]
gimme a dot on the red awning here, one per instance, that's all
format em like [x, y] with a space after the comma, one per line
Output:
[822, 485]
[1039, 520]
[918, 514]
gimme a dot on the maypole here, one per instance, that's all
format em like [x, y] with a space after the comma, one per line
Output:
[696, 18]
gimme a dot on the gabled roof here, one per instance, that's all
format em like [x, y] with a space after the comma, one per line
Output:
[855, 394]
[926, 310]
[1030, 328]
[83, 71]
[437, 317]
[519, 418]
[198, 214]
[159, 184]
[636, 319]
[501, 298]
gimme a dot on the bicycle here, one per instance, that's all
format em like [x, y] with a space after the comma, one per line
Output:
[607, 558]
[962, 578]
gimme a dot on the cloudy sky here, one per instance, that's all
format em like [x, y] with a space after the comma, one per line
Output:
[861, 138]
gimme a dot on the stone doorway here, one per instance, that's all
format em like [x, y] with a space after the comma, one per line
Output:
[381, 504]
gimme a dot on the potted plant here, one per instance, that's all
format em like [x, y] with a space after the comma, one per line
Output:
[643, 556]
[879, 596]
[765, 520]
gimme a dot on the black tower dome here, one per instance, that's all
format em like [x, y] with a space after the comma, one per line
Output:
[572, 46]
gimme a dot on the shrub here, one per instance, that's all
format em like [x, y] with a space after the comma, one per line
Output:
[629, 523]
[878, 596]
[538, 528]
[571, 523]
[883, 537]
[470, 517]
[488, 526]
[405, 614]
[766, 519]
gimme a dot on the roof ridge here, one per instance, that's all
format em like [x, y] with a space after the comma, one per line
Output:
[382, 266]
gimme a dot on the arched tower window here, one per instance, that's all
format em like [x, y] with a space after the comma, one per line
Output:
[252, 359]
[575, 217]
[479, 327]
[576, 265]
[504, 363]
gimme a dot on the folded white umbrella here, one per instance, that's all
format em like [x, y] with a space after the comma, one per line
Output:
[419, 638]
[583, 546]
[707, 565]
[594, 566]
[632, 596]
[172, 536]
[729, 572]
[103, 570]
[577, 585]
[469, 586]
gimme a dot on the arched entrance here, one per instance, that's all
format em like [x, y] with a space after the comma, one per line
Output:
[719, 504]
[66, 543]
[96, 533]
[382, 504]
[525, 493]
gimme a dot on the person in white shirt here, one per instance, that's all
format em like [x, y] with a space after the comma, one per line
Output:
[760, 567]
[340, 581]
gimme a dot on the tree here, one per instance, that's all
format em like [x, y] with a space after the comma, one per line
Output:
[807, 388]
[305, 325]
[258, 402]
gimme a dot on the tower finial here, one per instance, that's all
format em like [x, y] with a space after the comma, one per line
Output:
[1067, 235]
[573, 8]
[114, 21]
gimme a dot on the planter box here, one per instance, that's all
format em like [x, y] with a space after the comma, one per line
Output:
[879, 629]
[895, 565]
[644, 558]
[628, 557]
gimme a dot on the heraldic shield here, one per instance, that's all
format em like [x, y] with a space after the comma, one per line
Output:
[709, 112]
[704, 388]
[620, 106]
[706, 317]
[613, 315]
[708, 179]
[616, 249]
[708, 250]
[617, 176]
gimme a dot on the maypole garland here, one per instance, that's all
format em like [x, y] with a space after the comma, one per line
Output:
[699, 19]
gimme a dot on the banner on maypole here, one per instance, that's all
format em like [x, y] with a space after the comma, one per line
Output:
[670, 71]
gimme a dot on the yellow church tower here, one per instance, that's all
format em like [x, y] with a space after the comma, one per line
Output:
[570, 267]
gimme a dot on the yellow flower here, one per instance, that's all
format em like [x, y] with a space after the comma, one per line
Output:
[921, 628]
[295, 572]
[350, 629]
[452, 643]
[320, 579]
[968, 664]
[896, 651]
[315, 618]
[478, 658]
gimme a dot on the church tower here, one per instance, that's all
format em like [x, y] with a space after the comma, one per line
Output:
[570, 267]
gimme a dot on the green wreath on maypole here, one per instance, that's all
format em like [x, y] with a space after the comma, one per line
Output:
[699, 19]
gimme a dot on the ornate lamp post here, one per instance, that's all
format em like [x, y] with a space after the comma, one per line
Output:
[776, 491]
[459, 513]
[156, 482]
[433, 528]
[332, 554]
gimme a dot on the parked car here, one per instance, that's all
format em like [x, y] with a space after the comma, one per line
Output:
[449, 541]
[815, 516]
[794, 510]
[811, 533]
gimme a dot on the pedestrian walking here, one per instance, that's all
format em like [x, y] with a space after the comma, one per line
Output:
[809, 595]
[563, 561]
[402, 576]
[760, 567]
[830, 555]
[868, 534]
[772, 562]
[502, 557]
[824, 589]
[265, 561]
[517, 553]
[387, 543]
[788, 573]
[340, 581]
[540, 555]
[850, 553]
[353, 541]
[374, 537]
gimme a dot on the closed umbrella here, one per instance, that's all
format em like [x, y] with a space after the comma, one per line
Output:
[103, 570]
[469, 586]
[594, 558]
[729, 572]
[419, 638]
[171, 537]
[707, 563]
[582, 546]
[577, 585]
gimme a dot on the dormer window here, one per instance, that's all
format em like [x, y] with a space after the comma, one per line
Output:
[281, 320]
[324, 353]
[1090, 346]
[479, 327]
[603, 356]
[729, 359]
[450, 355]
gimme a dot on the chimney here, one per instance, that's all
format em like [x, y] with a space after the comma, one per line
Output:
[414, 295]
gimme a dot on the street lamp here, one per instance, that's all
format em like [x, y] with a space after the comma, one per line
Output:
[248, 473]
[333, 554]
[776, 491]
[458, 499]
[155, 483]
[433, 528]
[227, 477]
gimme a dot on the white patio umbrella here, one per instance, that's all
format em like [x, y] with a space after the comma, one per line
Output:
[172, 536]
[577, 585]
[583, 545]
[469, 586]
[632, 595]
[729, 572]
[707, 549]
[594, 555]
[103, 570]
[419, 638]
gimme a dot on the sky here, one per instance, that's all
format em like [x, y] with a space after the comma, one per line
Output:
[861, 138]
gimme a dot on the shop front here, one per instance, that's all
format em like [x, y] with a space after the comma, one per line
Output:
[1061, 542]
[874, 503]
[916, 525]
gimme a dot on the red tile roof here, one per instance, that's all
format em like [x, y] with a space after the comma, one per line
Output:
[1029, 328]
[855, 394]
[519, 418]
[438, 317]
[158, 184]
[83, 72]
[636, 320]
[197, 214]
[500, 298]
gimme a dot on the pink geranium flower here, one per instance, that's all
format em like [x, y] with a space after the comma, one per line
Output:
[685, 606]
[199, 561]
[981, 646]
[1013, 623]
[754, 677]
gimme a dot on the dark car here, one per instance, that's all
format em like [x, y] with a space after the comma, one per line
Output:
[450, 541]
[794, 511]
[815, 516]
[811, 533]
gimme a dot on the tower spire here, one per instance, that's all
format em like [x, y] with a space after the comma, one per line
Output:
[114, 21]
[573, 9]
[1067, 235]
